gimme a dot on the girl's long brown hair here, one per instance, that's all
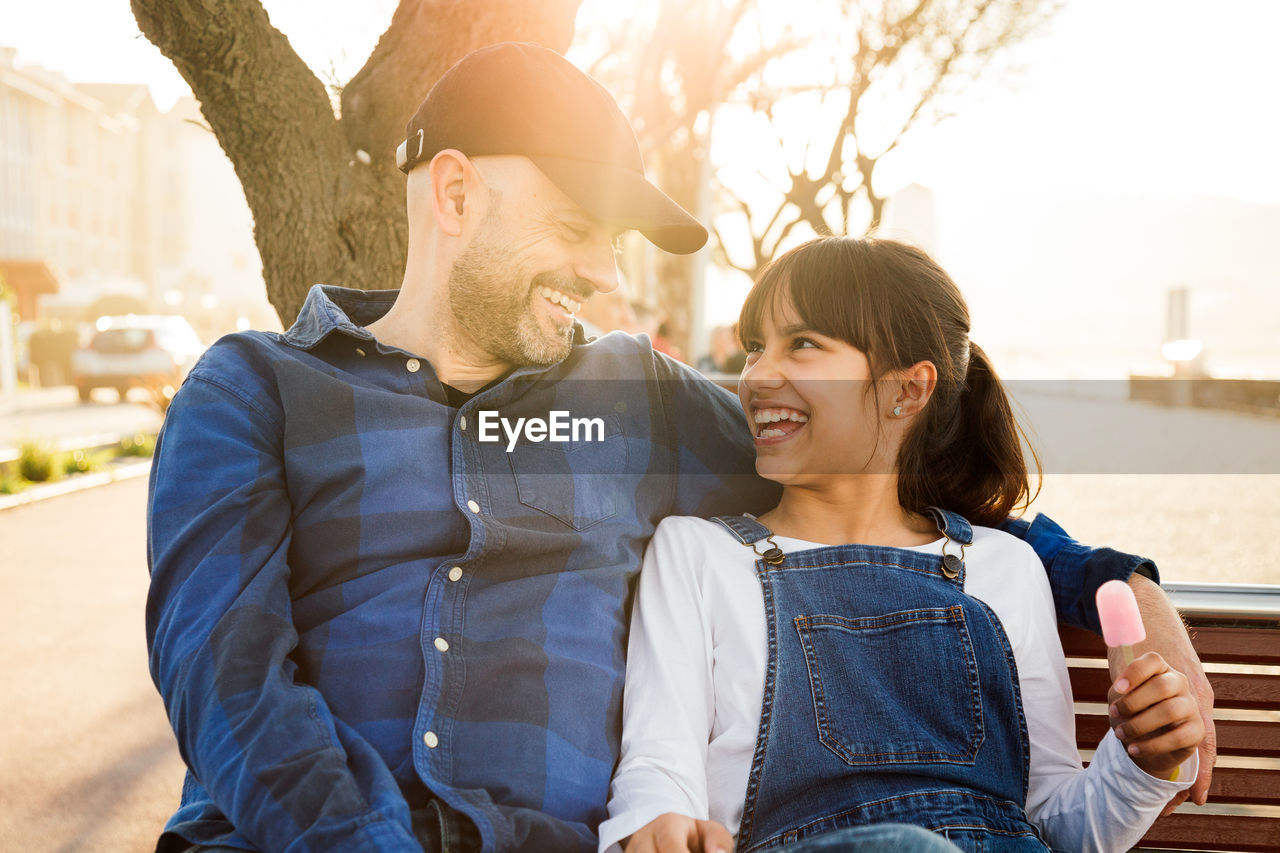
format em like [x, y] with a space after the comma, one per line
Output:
[895, 304]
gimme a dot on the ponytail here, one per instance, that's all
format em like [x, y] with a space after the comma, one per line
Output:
[966, 453]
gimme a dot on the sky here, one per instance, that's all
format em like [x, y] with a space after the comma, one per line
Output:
[1146, 102]
[1162, 98]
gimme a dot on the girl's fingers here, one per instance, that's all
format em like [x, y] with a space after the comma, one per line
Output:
[1157, 688]
[640, 843]
[1143, 668]
[714, 837]
[1178, 741]
[1169, 712]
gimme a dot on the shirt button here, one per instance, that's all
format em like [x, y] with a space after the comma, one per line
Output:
[442, 644]
[462, 423]
[455, 574]
[431, 740]
[359, 351]
[413, 365]
[473, 506]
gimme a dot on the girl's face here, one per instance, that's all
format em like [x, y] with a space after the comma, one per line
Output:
[809, 404]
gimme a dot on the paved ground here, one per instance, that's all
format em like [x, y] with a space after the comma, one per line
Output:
[87, 761]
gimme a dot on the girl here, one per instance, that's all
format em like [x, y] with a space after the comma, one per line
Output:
[865, 654]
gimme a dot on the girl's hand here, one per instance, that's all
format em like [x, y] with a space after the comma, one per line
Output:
[676, 833]
[1154, 715]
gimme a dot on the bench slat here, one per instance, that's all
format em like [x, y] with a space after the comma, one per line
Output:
[1213, 644]
[1213, 832]
[1246, 786]
[1235, 737]
[1245, 691]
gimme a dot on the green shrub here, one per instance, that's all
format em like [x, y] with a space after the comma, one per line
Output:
[137, 445]
[82, 462]
[11, 484]
[38, 462]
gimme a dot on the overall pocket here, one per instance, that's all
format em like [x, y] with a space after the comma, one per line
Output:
[900, 688]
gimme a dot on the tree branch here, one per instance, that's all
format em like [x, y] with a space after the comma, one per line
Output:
[410, 56]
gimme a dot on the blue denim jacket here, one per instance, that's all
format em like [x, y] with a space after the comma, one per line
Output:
[355, 602]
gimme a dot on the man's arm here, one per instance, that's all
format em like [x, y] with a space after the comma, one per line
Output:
[1075, 573]
[220, 633]
[1167, 636]
[715, 456]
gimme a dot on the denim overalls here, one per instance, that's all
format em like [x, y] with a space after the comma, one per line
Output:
[890, 696]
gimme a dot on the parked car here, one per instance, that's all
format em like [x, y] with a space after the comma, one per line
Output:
[150, 351]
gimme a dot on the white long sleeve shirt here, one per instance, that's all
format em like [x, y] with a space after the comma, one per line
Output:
[695, 684]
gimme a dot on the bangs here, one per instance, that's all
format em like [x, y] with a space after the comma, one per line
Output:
[823, 281]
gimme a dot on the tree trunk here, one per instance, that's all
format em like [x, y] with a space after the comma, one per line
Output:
[321, 213]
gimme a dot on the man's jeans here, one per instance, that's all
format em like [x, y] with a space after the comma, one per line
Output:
[878, 838]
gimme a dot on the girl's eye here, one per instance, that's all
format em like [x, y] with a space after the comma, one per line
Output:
[753, 346]
[802, 343]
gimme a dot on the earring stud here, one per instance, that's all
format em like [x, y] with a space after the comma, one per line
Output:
[897, 411]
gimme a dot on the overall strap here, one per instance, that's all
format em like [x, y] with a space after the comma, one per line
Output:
[744, 528]
[956, 527]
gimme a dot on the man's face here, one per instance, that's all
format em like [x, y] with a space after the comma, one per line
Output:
[535, 258]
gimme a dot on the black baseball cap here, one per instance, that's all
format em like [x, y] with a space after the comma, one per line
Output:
[517, 98]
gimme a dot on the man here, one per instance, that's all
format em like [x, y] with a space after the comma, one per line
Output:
[388, 606]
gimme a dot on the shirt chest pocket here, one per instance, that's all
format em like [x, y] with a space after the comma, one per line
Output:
[579, 481]
[899, 688]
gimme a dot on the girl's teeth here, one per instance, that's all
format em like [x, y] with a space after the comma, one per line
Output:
[765, 416]
[771, 433]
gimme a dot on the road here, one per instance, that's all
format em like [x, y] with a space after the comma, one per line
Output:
[56, 414]
[87, 760]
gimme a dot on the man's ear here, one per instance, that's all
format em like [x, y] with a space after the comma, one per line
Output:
[915, 386]
[452, 177]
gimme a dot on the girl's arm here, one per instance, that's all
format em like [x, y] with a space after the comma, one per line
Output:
[1109, 805]
[668, 701]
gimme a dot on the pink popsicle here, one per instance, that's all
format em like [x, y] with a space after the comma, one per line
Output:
[1121, 622]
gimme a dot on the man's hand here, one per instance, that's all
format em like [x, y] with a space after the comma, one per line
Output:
[1167, 636]
[676, 833]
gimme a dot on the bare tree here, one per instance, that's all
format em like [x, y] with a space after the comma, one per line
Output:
[326, 197]
[889, 68]
[666, 65]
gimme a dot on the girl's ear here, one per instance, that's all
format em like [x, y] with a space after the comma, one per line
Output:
[914, 386]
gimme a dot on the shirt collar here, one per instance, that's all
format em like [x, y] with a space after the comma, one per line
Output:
[331, 309]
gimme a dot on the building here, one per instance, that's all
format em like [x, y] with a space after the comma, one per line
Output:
[117, 198]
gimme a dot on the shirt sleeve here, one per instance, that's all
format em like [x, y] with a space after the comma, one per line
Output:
[1106, 807]
[714, 453]
[1076, 571]
[275, 761]
[668, 704]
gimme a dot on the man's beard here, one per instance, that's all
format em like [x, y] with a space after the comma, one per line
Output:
[500, 317]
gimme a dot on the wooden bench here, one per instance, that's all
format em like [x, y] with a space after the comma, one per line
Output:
[1236, 631]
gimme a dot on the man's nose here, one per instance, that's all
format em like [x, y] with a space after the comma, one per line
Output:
[599, 266]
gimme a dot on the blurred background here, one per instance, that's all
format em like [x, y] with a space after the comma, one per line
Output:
[1098, 176]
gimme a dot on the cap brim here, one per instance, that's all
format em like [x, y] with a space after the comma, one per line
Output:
[624, 198]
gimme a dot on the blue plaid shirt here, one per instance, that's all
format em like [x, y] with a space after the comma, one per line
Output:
[356, 603]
